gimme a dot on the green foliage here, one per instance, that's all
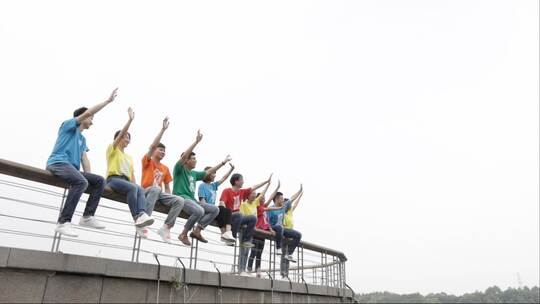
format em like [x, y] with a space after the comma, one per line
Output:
[492, 295]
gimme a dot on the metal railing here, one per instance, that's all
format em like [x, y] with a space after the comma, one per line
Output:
[31, 206]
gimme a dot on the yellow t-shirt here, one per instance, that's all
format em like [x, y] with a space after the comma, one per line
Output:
[247, 208]
[288, 219]
[119, 163]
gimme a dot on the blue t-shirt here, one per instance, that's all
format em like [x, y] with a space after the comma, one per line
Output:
[69, 145]
[208, 192]
[276, 216]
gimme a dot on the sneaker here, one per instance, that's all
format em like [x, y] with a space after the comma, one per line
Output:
[142, 232]
[198, 236]
[65, 229]
[290, 258]
[258, 274]
[165, 234]
[91, 222]
[247, 245]
[227, 242]
[144, 220]
[227, 235]
[184, 240]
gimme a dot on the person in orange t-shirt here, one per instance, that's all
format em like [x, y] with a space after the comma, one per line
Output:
[155, 177]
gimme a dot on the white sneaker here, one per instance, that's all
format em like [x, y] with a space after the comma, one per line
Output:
[142, 232]
[65, 229]
[165, 234]
[91, 222]
[144, 220]
[227, 235]
[290, 258]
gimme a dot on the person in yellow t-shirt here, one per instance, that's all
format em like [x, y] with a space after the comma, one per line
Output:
[121, 179]
[248, 208]
[288, 221]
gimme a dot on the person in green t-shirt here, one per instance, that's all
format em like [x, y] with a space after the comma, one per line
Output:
[184, 180]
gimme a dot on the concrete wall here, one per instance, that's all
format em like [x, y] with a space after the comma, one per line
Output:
[37, 276]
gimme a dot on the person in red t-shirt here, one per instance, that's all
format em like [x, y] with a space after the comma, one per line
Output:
[232, 198]
[262, 224]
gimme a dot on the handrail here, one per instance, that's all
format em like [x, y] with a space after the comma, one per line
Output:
[34, 174]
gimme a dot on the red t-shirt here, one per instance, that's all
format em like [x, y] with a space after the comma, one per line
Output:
[232, 199]
[262, 218]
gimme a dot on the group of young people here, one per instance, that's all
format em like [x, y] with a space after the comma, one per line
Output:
[239, 212]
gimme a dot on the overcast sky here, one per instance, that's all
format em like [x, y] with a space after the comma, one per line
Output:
[412, 124]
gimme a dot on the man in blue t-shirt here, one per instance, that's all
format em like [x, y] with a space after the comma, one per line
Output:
[275, 218]
[207, 197]
[65, 161]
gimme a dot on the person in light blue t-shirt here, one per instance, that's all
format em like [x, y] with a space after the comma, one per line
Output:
[207, 197]
[65, 161]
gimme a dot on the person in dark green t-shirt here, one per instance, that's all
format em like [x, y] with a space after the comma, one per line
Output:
[184, 180]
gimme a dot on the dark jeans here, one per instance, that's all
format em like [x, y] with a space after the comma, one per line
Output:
[238, 220]
[288, 233]
[256, 254]
[78, 182]
[224, 217]
[134, 193]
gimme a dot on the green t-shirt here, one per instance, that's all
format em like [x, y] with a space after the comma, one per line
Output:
[184, 181]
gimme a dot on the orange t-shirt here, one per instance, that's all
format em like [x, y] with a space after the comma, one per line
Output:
[148, 168]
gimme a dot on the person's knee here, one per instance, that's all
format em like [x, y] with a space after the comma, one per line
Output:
[154, 190]
[199, 211]
[299, 235]
[81, 183]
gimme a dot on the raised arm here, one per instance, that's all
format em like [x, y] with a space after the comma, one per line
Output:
[257, 186]
[263, 193]
[125, 128]
[93, 110]
[297, 201]
[216, 167]
[224, 178]
[295, 196]
[273, 194]
[185, 156]
[157, 140]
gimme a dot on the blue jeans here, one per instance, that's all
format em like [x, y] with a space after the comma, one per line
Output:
[210, 213]
[195, 211]
[175, 203]
[288, 233]
[78, 182]
[243, 258]
[238, 220]
[256, 254]
[134, 193]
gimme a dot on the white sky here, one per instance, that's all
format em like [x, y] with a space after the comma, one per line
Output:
[412, 124]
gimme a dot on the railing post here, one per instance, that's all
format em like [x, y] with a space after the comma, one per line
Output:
[58, 236]
[233, 267]
[139, 249]
[158, 277]
[191, 254]
[196, 252]
[134, 247]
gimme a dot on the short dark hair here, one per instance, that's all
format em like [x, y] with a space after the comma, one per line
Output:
[160, 145]
[278, 194]
[79, 111]
[206, 178]
[190, 154]
[118, 133]
[235, 177]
